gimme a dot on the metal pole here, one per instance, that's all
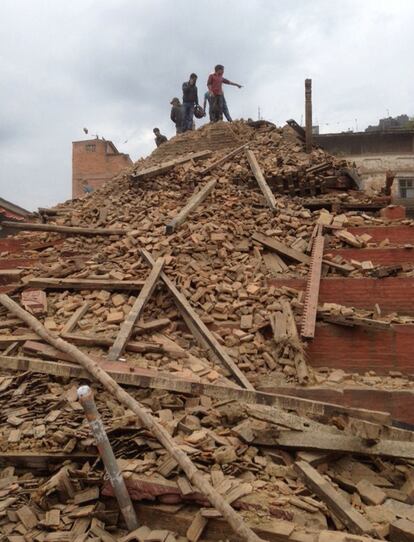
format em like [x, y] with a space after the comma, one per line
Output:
[308, 114]
[85, 396]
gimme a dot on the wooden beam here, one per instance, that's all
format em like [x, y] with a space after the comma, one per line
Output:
[354, 521]
[310, 307]
[185, 307]
[127, 326]
[280, 248]
[5, 340]
[84, 284]
[314, 440]
[70, 230]
[76, 316]
[40, 459]
[194, 475]
[264, 187]
[308, 114]
[165, 167]
[222, 160]
[192, 203]
[102, 340]
[123, 373]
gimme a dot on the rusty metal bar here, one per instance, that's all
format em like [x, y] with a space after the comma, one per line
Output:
[86, 399]
[310, 307]
[308, 114]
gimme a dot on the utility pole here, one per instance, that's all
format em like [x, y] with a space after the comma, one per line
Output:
[308, 114]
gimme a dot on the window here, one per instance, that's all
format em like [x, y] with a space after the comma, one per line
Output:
[406, 187]
[90, 147]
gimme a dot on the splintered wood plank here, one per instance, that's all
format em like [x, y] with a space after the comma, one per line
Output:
[145, 378]
[310, 307]
[222, 160]
[84, 284]
[192, 203]
[70, 230]
[127, 326]
[264, 187]
[355, 522]
[164, 167]
[185, 307]
[74, 319]
[280, 248]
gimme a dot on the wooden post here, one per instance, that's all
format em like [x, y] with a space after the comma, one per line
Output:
[195, 476]
[308, 114]
[127, 326]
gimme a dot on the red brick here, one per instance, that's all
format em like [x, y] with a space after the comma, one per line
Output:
[360, 350]
[397, 235]
[95, 161]
[393, 294]
[393, 212]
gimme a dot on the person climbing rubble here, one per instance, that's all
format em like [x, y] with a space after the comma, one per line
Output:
[215, 87]
[176, 115]
[159, 138]
[190, 101]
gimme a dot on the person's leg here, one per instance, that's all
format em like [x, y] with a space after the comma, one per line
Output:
[187, 116]
[210, 108]
[216, 109]
[220, 107]
[226, 111]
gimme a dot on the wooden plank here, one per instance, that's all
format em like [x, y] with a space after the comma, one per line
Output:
[192, 203]
[307, 440]
[102, 340]
[125, 374]
[310, 307]
[127, 326]
[354, 521]
[222, 160]
[83, 284]
[280, 248]
[5, 340]
[70, 230]
[76, 316]
[264, 187]
[185, 307]
[164, 167]
[40, 459]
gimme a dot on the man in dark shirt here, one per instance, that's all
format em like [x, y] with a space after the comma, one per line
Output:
[215, 86]
[176, 115]
[159, 138]
[190, 100]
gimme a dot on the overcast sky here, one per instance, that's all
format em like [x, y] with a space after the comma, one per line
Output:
[114, 65]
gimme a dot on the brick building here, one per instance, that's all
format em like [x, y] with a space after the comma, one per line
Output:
[95, 161]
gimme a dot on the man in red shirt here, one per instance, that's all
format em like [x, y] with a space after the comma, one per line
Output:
[215, 87]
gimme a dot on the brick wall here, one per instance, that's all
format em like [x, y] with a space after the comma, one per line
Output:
[360, 350]
[378, 256]
[397, 235]
[393, 294]
[93, 162]
[399, 403]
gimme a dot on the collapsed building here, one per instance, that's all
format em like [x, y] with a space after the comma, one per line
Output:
[256, 307]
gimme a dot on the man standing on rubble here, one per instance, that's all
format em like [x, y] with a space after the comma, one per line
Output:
[176, 115]
[159, 138]
[215, 87]
[190, 100]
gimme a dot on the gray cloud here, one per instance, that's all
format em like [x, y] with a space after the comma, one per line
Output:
[114, 65]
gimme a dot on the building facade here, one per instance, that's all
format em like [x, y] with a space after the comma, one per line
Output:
[94, 162]
[375, 152]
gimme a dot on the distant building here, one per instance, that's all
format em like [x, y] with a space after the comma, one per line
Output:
[390, 123]
[95, 161]
[375, 152]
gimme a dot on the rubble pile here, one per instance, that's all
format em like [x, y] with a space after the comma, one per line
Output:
[221, 233]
